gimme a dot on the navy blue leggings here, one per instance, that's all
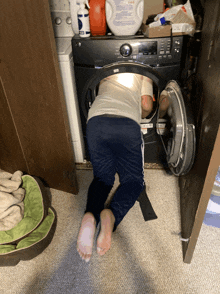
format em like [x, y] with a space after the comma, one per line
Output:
[115, 146]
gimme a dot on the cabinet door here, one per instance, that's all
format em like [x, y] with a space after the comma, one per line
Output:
[11, 154]
[196, 186]
[32, 84]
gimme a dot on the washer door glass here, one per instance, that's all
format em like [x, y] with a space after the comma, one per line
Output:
[176, 129]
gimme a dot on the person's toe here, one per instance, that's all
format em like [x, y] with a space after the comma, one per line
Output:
[99, 250]
[87, 257]
[102, 251]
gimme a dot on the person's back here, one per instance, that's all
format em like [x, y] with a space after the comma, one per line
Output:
[120, 95]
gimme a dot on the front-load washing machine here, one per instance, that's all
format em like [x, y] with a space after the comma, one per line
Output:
[170, 138]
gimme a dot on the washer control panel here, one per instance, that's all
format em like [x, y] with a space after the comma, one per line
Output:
[164, 50]
[106, 50]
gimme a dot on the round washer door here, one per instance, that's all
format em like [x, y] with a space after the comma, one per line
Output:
[176, 129]
[116, 68]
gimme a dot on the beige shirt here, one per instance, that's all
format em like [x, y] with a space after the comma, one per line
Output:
[120, 95]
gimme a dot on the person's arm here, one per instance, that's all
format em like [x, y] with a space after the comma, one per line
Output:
[146, 96]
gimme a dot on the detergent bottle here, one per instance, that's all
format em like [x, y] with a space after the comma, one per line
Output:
[124, 17]
[74, 7]
[97, 17]
[83, 20]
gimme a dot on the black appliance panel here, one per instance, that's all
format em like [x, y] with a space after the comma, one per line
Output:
[103, 51]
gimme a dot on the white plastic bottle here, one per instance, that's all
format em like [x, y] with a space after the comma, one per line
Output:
[158, 23]
[74, 7]
[124, 17]
[83, 21]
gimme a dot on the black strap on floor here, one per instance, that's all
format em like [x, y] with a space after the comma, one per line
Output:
[146, 207]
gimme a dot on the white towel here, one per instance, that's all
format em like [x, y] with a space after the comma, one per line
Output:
[11, 200]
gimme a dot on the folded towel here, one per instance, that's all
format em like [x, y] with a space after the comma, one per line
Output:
[11, 200]
[10, 183]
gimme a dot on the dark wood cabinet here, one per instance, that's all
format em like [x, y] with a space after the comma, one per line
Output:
[35, 136]
[11, 153]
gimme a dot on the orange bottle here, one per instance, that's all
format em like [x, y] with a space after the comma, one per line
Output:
[97, 17]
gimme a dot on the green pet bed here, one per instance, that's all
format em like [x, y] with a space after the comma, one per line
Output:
[35, 231]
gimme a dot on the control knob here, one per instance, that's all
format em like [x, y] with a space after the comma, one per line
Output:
[68, 20]
[58, 20]
[126, 50]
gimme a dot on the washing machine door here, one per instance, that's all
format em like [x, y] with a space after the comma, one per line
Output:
[176, 129]
[119, 67]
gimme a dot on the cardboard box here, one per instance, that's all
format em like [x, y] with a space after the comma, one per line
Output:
[165, 30]
[156, 32]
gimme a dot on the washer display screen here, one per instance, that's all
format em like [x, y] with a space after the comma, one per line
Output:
[149, 48]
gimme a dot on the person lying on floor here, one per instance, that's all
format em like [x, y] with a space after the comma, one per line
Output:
[115, 145]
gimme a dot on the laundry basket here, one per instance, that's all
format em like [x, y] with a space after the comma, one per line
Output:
[35, 231]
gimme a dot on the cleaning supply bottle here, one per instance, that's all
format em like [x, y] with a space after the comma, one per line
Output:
[74, 7]
[158, 23]
[124, 17]
[97, 17]
[83, 20]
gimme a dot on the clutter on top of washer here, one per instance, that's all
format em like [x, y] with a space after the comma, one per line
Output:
[83, 19]
[97, 17]
[80, 24]
[124, 17]
[180, 18]
[161, 21]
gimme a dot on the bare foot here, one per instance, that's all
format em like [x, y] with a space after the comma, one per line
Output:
[86, 236]
[107, 225]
